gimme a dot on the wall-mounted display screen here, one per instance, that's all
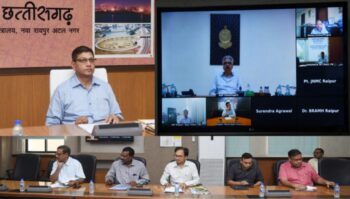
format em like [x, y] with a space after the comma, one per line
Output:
[253, 70]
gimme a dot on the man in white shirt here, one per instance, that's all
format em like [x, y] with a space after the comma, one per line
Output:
[318, 154]
[66, 170]
[180, 171]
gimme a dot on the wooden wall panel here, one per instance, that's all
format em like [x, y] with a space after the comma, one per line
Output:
[25, 93]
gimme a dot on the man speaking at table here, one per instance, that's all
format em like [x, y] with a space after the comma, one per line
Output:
[83, 98]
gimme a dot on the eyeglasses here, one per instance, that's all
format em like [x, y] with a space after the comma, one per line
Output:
[85, 60]
[227, 63]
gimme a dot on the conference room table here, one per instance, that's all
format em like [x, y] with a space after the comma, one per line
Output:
[239, 121]
[55, 130]
[103, 191]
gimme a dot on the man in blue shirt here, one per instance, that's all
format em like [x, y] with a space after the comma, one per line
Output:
[186, 119]
[319, 29]
[226, 83]
[83, 98]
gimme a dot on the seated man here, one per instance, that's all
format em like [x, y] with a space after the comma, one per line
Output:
[245, 173]
[180, 171]
[228, 111]
[318, 155]
[66, 170]
[186, 119]
[226, 83]
[297, 174]
[323, 58]
[127, 170]
[83, 98]
[320, 29]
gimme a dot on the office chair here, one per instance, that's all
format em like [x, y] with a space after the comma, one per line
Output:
[335, 169]
[58, 76]
[88, 162]
[46, 175]
[27, 166]
[197, 163]
[141, 159]
[276, 169]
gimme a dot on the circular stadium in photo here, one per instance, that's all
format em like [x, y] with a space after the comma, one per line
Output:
[118, 44]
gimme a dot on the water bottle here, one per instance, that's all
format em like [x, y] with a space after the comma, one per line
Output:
[177, 190]
[17, 129]
[261, 90]
[288, 90]
[21, 185]
[173, 92]
[262, 190]
[336, 191]
[278, 90]
[91, 187]
[164, 90]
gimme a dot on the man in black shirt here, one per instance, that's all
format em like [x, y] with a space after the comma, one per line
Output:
[246, 172]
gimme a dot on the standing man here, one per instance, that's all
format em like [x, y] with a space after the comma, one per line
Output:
[246, 172]
[318, 155]
[127, 170]
[83, 98]
[180, 171]
[66, 170]
[297, 174]
[226, 83]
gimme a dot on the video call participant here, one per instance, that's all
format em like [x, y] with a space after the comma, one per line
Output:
[298, 174]
[180, 171]
[228, 111]
[318, 155]
[245, 173]
[127, 170]
[320, 29]
[226, 83]
[83, 98]
[186, 119]
[66, 170]
[323, 59]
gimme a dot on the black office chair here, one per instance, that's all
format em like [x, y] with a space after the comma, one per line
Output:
[198, 165]
[230, 162]
[47, 173]
[276, 170]
[88, 162]
[27, 167]
[141, 159]
[335, 169]
[196, 162]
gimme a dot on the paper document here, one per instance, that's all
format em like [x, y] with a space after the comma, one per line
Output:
[89, 127]
[171, 190]
[311, 188]
[120, 187]
[57, 185]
